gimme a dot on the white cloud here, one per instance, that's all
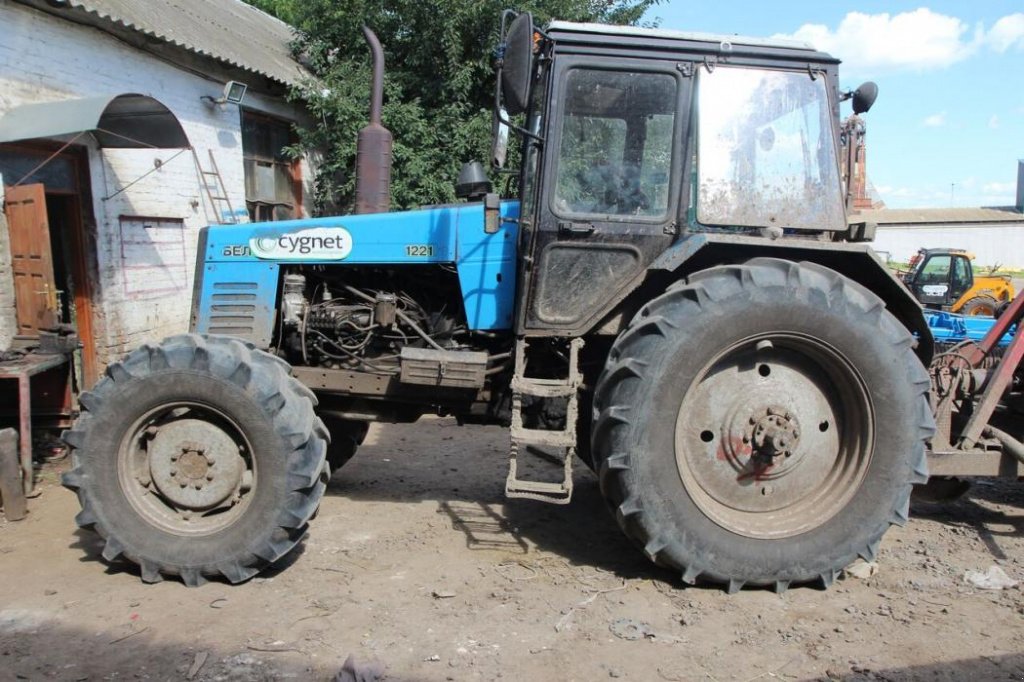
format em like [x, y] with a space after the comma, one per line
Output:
[935, 120]
[1006, 33]
[993, 122]
[916, 41]
[940, 195]
[999, 188]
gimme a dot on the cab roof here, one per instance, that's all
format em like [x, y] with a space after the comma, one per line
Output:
[690, 41]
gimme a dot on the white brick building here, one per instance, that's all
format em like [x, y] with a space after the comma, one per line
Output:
[123, 222]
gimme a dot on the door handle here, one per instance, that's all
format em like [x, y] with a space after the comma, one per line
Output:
[575, 229]
[52, 296]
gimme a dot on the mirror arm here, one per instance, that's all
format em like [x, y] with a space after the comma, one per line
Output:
[522, 131]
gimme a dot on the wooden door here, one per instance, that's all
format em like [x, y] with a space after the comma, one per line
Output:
[35, 292]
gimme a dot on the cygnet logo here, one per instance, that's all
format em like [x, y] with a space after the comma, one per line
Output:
[311, 244]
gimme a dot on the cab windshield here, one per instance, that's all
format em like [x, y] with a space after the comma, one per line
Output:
[766, 151]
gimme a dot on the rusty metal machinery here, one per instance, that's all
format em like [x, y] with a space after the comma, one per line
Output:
[969, 382]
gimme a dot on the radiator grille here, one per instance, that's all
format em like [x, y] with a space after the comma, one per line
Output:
[233, 309]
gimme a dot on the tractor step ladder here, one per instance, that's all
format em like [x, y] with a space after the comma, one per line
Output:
[564, 440]
[215, 190]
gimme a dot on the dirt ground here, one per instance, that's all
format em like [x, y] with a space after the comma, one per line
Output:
[418, 563]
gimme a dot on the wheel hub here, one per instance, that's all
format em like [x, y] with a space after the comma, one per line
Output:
[776, 434]
[195, 464]
[772, 437]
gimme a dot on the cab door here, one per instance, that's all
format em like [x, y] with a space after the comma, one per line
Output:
[611, 186]
[962, 279]
[933, 283]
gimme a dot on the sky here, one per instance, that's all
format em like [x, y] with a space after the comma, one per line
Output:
[948, 126]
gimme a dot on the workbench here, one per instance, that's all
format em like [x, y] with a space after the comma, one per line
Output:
[22, 370]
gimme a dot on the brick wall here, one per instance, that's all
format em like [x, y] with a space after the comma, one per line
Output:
[144, 287]
[8, 321]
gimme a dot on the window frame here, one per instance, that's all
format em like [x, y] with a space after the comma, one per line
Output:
[294, 166]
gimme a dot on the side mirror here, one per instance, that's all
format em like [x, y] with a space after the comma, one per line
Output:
[518, 63]
[499, 151]
[864, 97]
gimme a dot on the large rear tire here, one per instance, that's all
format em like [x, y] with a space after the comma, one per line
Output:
[761, 424]
[198, 457]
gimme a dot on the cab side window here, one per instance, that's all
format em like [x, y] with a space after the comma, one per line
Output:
[615, 155]
[935, 271]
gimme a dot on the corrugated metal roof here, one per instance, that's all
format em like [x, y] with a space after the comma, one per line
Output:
[940, 216]
[228, 31]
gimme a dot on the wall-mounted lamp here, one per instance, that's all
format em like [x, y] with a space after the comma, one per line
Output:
[234, 93]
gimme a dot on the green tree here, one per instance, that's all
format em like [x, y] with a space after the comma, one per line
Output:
[439, 83]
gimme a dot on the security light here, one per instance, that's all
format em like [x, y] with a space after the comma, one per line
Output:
[234, 92]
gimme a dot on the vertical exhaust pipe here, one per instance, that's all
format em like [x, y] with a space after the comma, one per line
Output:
[373, 146]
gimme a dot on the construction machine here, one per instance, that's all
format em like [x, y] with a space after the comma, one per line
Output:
[674, 298]
[944, 279]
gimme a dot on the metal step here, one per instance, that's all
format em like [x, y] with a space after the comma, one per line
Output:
[541, 491]
[543, 388]
[563, 439]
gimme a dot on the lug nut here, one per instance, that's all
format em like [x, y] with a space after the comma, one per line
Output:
[209, 477]
[182, 483]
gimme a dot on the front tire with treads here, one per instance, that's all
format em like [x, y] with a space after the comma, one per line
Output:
[761, 424]
[198, 457]
[346, 437]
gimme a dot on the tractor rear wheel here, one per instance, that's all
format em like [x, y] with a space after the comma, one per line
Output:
[761, 424]
[980, 306]
[198, 457]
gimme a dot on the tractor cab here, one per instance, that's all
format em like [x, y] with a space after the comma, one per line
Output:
[634, 139]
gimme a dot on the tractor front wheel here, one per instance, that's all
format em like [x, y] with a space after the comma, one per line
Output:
[761, 424]
[198, 457]
[346, 437]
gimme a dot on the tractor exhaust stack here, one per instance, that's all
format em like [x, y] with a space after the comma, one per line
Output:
[373, 146]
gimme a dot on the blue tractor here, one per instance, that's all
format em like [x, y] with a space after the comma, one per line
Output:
[676, 297]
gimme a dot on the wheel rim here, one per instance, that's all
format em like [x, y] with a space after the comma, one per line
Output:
[774, 436]
[982, 310]
[187, 469]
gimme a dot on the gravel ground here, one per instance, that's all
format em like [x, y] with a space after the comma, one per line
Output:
[418, 564]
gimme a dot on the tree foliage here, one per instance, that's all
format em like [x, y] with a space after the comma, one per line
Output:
[439, 83]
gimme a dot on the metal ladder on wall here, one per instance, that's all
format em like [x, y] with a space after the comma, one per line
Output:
[564, 440]
[216, 191]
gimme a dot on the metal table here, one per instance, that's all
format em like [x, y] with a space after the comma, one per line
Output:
[23, 369]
